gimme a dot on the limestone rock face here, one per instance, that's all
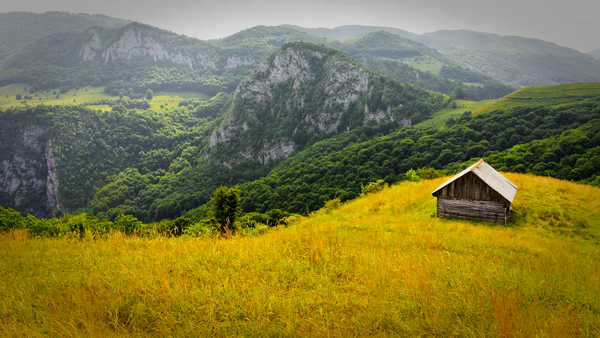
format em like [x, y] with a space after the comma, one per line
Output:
[28, 180]
[301, 94]
[136, 41]
[133, 42]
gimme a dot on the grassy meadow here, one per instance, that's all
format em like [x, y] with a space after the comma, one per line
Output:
[87, 96]
[552, 95]
[377, 265]
[440, 117]
[8, 96]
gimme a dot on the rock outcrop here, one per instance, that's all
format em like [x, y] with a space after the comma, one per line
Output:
[28, 179]
[137, 41]
[304, 93]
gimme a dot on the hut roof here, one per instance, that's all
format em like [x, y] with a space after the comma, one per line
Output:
[490, 176]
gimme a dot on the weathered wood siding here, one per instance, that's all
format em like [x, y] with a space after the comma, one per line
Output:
[472, 188]
[489, 210]
[471, 197]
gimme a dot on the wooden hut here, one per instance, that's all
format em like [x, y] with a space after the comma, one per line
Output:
[477, 192]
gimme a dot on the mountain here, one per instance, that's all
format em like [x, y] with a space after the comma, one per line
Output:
[352, 31]
[18, 29]
[512, 60]
[137, 57]
[158, 164]
[306, 92]
[595, 53]
[515, 60]
[552, 130]
[412, 62]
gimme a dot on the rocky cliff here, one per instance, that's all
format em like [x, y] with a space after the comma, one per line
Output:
[305, 92]
[28, 180]
[139, 41]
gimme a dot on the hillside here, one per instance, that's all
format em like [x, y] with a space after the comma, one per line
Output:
[341, 33]
[18, 29]
[512, 60]
[54, 158]
[560, 140]
[515, 60]
[413, 62]
[304, 93]
[132, 58]
[595, 53]
[158, 160]
[137, 57]
[378, 265]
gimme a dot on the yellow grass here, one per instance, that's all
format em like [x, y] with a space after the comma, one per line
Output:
[170, 100]
[379, 265]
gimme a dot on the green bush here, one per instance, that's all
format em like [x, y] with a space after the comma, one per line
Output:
[201, 228]
[128, 224]
[412, 176]
[372, 187]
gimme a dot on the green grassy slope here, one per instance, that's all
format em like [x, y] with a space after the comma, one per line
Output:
[554, 95]
[376, 266]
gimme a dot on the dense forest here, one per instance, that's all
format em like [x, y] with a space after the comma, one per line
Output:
[561, 142]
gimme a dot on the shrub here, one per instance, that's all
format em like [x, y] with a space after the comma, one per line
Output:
[180, 225]
[10, 219]
[429, 173]
[128, 224]
[332, 204]
[201, 228]
[372, 187]
[412, 176]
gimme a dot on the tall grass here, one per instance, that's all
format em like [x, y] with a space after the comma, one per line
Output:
[378, 265]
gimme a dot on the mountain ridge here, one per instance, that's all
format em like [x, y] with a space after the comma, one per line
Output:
[323, 92]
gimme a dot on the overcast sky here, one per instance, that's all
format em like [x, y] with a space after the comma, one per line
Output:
[571, 23]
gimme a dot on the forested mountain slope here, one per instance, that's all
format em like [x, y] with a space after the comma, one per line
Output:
[412, 62]
[558, 136]
[341, 33]
[137, 57]
[157, 163]
[512, 60]
[595, 53]
[515, 60]
[307, 92]
[18, 29]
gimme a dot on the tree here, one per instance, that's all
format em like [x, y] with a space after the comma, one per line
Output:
[226, 207]
[18, 96]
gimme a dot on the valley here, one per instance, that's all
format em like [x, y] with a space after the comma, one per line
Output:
[277, 181]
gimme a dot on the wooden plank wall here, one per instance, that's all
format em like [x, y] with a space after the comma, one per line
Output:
[470, 187]
[488, 210]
